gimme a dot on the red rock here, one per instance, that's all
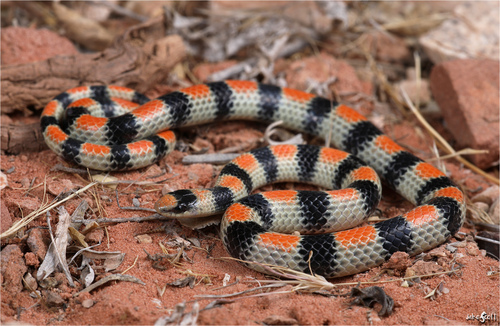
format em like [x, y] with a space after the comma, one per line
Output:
[399, 261]
[12, 268]
[27, 205]
[37, 244]
[5, 218]
[31, 259]
[387, 47]
[24, 45]
[467, 91]
[56, 187]
[320, 68]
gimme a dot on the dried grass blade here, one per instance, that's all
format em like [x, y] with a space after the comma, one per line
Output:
[44, 208]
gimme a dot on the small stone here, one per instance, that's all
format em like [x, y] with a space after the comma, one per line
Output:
[12, 267]
[30, 282]
[144, 238]
[426, 268]
[5, 217]
[398, 262]
[53, 299]
[136, 202]
[31, 259]
[472, 249]
[153, 171]
[25, 182]
[26, 205]
[56, 187]
[439, 252]
[87, 303]
[95, 236]
[37, 244]
[417, 92]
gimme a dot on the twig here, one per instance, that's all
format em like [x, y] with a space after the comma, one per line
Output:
[443, 143]
[212, 158]
[154, 217]
[112, 277]
[131, 266]
[132, 208]
[218, 296]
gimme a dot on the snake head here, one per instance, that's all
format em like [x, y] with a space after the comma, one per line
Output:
[183, 203]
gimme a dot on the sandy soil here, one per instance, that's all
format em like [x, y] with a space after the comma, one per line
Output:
[466, 293]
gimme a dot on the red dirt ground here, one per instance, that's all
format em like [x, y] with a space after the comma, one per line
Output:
[468, 292]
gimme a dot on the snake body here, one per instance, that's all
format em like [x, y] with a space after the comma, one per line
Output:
[251, 226]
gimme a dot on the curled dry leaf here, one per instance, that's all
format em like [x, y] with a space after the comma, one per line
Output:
[180, 317]
[88, 275]
[183, 282]
[85, 31]
[369, 296]
[77, 236]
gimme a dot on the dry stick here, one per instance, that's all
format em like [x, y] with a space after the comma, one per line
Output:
[212, 158]
[62, 226]
[223, 296]
[112, 277]
[443, 143]
[154, 217]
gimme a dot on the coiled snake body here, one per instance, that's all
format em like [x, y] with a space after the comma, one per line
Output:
[252, 226]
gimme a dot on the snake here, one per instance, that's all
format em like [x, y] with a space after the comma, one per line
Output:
[113, 128]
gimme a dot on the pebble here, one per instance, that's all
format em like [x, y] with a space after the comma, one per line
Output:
[12, 267]
[144, 238]
[53, 299]
[136, 202]
[37, 244]
[87, 303]
[5, 217]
